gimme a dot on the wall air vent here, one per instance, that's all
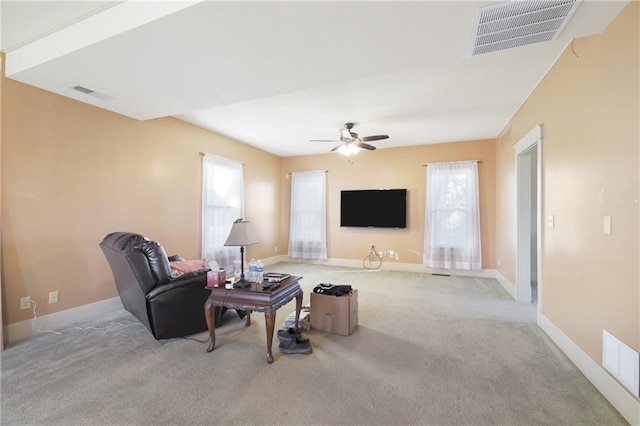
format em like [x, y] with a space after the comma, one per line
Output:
[622, 361]
[92, 93]
[519, 23]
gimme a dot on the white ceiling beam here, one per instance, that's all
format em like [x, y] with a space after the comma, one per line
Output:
[123, 17]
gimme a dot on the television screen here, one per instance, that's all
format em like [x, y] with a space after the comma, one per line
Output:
[375, 208]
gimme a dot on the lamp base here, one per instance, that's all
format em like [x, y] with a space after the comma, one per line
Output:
[242, 284]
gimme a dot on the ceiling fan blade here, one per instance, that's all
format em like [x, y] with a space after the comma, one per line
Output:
[374, 138]
[365, 146]
[354, 135]
[323, 140]
[336, 147]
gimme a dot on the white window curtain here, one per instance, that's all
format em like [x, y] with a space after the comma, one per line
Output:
[452, 219]
[222, 204]
[308, 229]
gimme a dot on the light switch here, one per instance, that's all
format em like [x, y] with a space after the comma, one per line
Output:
[551, 221]
[606, 225]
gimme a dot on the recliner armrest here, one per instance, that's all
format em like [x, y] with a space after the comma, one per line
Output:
[190, 279]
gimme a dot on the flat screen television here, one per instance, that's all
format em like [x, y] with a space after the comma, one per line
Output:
[374, 208]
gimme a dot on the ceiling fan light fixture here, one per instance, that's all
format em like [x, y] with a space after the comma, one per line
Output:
[348, 149]
[350, 143]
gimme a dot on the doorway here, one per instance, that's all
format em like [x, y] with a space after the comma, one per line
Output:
[529, 196]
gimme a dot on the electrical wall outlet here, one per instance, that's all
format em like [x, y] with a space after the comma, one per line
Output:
[53, 296]
[25, 303]
[389, 253]
[606, 225]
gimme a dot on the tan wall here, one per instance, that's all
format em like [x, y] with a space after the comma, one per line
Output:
[588, 106]
[1, 286]
[393, 168]
[71, 173]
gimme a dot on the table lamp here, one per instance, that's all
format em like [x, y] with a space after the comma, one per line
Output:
[241, 235]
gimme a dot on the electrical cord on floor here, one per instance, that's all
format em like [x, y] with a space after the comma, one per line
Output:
[33, 321]
[35, 317]
[368, 261]
[195, 340]
[108, 326]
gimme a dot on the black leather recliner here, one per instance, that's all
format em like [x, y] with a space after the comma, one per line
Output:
[168, 307]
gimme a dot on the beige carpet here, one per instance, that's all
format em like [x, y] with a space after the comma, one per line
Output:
[428, 350]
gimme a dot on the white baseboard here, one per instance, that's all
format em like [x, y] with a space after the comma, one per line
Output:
[617, 395]
[392, 266]
[274, 259]
[24, 329]
[508, 285]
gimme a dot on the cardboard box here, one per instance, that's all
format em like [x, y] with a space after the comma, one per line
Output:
[338, 315]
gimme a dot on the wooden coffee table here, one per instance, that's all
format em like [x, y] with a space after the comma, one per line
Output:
[254, 298]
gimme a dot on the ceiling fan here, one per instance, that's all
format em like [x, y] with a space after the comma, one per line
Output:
[350, 143]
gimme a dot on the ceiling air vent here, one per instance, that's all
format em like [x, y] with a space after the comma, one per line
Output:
[519, 23]
[82, 89]
[92, 93]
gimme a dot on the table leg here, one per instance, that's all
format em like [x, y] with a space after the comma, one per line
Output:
[270, 319]
[248, 323]
[298, 307]
[208, 308]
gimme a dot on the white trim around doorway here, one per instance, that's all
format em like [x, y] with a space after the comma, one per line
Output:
[533, 139]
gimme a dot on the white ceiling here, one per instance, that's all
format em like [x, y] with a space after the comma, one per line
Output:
[276, 74]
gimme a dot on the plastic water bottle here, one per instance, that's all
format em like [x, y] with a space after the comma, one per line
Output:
[252, 271]
[260, 270]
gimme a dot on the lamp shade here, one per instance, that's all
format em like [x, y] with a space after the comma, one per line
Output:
[241, 234]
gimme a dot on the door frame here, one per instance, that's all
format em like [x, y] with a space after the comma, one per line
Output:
[532, 140]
